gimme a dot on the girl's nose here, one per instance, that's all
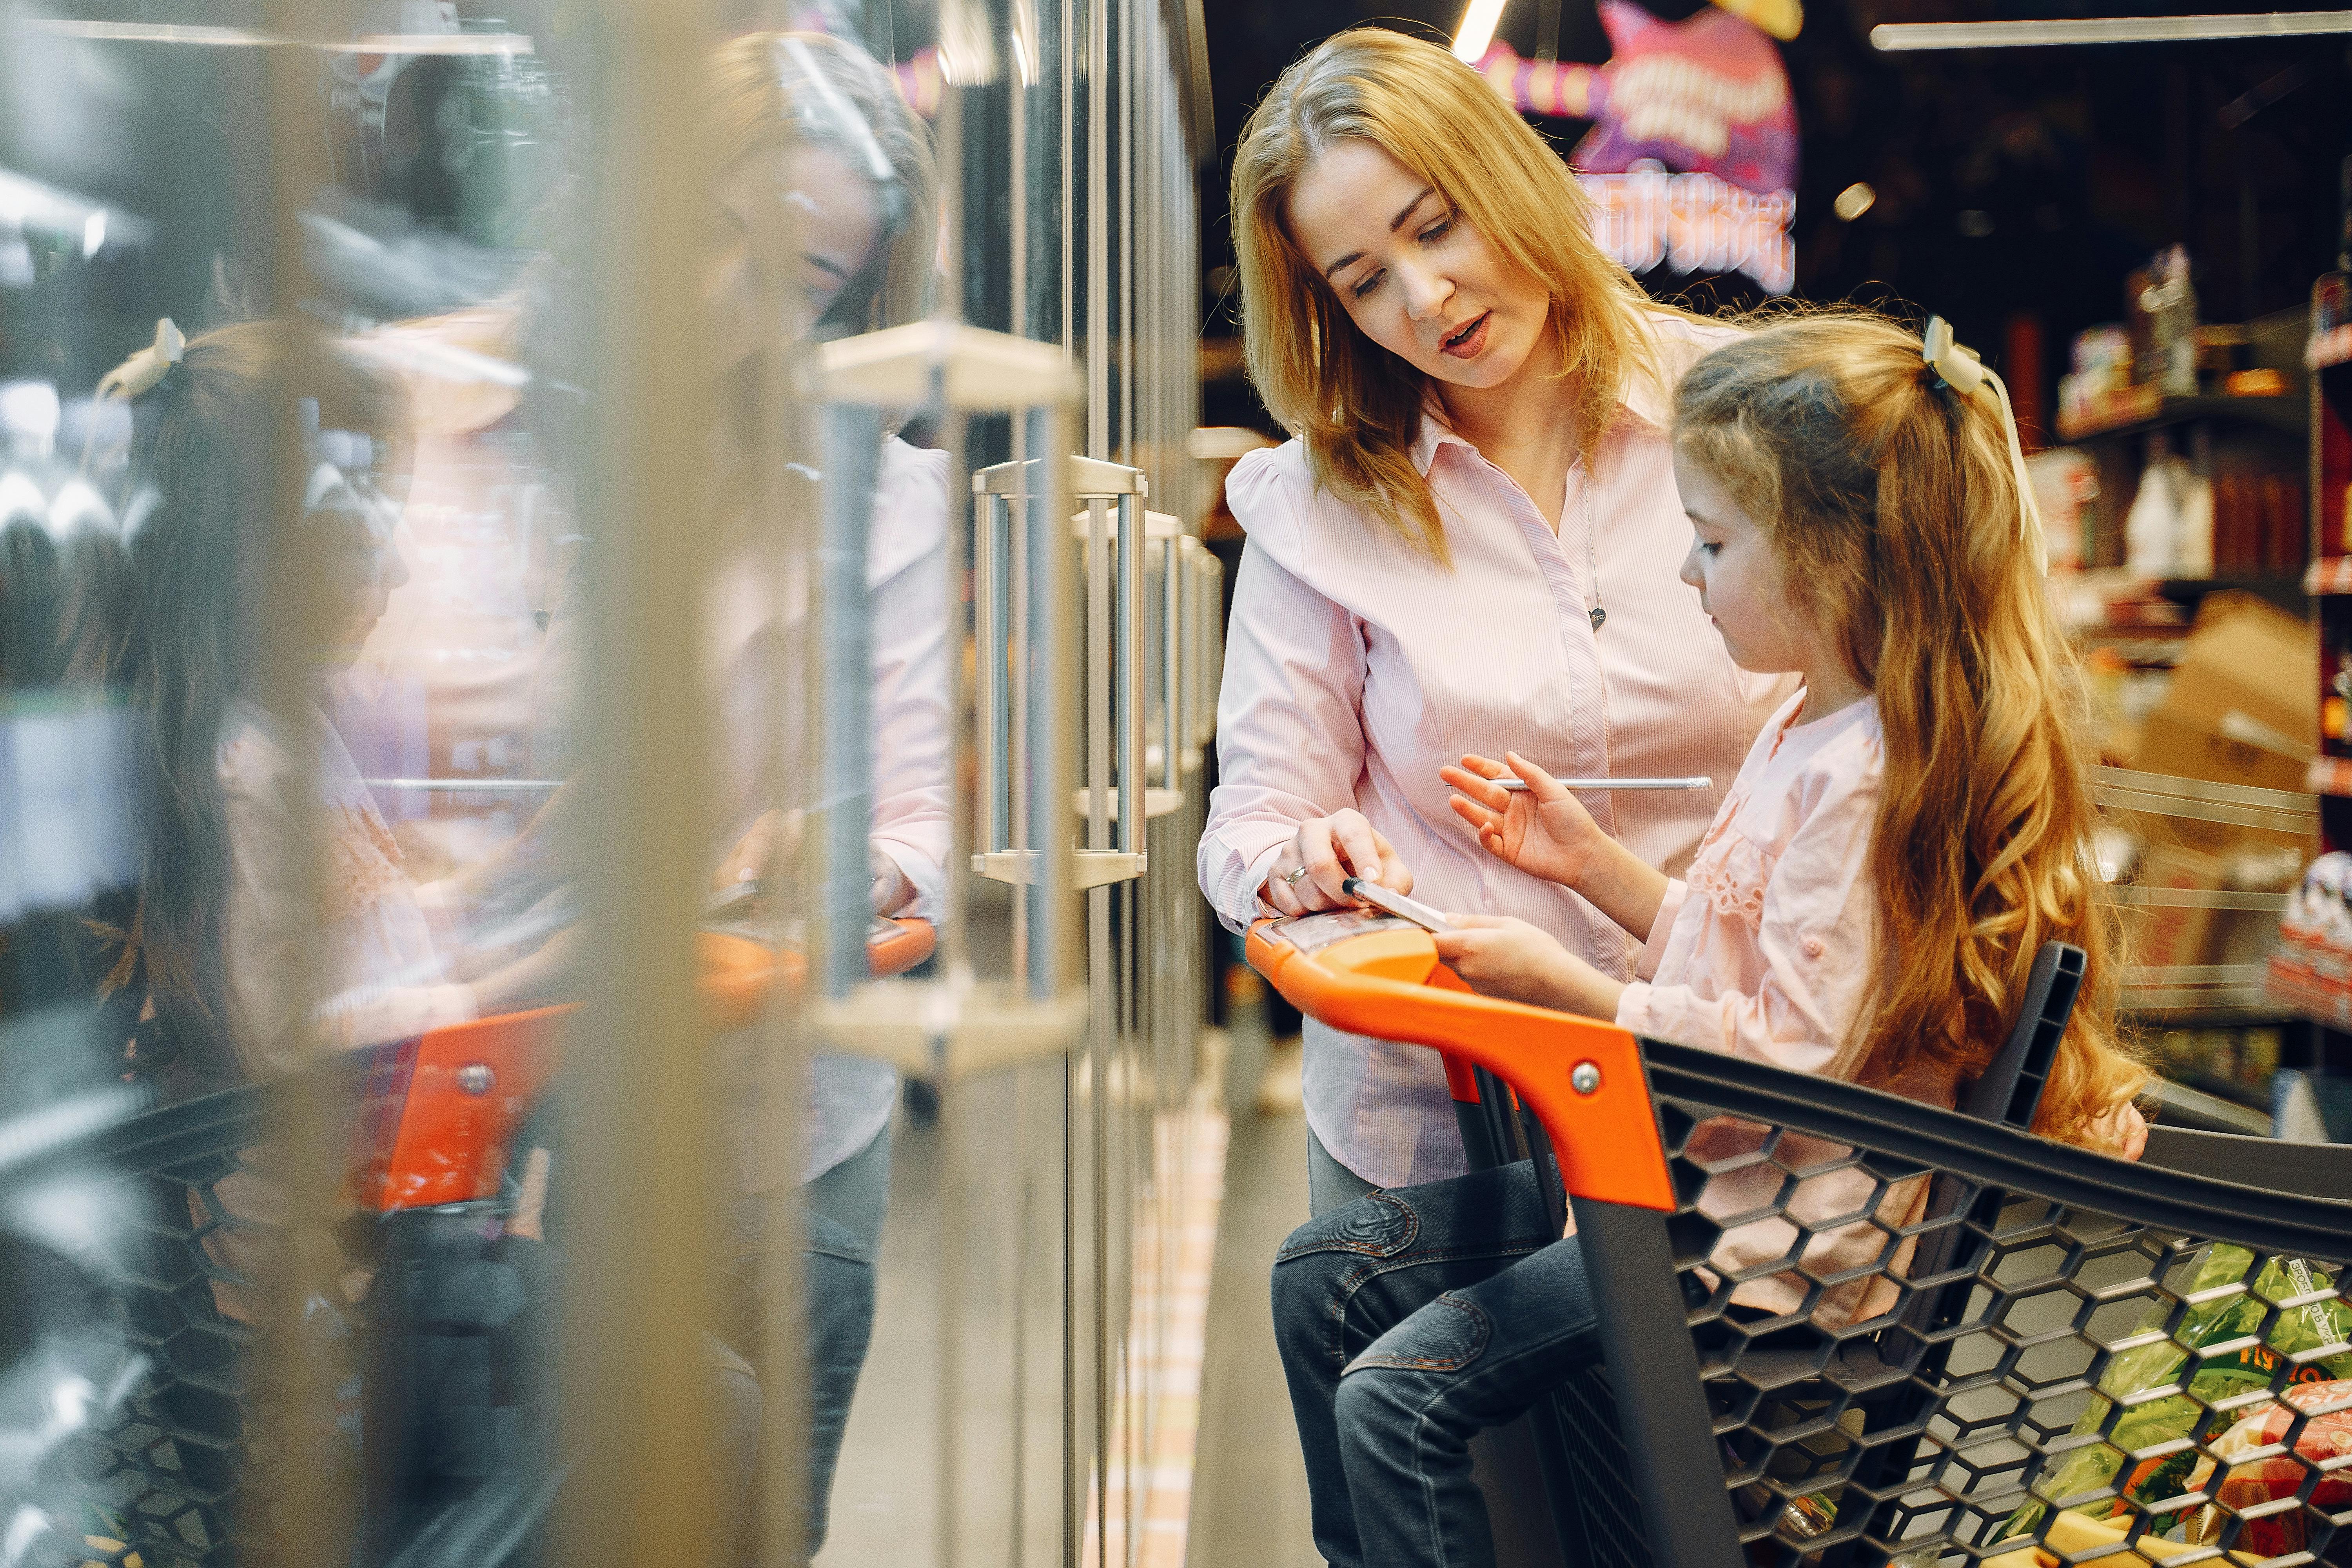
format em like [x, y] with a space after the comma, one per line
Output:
[395, 571]
[1690, 572]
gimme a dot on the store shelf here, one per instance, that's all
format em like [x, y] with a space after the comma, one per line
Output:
[2284, 412]
[2233, 806]
[2194, 994]
[2295, 986]
[2289, 594]
[2195, 1108]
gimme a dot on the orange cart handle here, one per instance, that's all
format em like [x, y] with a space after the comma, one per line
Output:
[1584, 1079]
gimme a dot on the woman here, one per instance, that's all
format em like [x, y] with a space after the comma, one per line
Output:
[1471, 543]
[827, 214]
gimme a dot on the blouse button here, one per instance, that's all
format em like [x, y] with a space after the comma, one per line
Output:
[1812, 947]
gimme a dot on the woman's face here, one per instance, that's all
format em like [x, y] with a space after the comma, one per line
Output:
[1413, 277]
[794, 226]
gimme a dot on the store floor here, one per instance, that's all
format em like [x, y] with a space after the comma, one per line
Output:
[1249, 1490]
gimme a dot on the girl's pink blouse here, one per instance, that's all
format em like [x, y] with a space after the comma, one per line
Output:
[1765, 949]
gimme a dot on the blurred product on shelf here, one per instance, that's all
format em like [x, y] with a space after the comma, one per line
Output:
[2170, 530]
[2311, 968]
[2065, 490]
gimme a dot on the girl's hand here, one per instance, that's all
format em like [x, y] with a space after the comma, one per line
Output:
[1331, 849]
[1497, 956]
[2122, 1131]
[1544, 831]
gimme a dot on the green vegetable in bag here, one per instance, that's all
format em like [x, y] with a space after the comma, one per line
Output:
[2242, 1370]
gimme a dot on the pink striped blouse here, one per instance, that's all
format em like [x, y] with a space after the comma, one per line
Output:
[1355, 668]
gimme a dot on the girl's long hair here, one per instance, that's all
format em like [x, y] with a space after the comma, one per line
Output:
[1893, 508]
[1354, 405]
[214, 579]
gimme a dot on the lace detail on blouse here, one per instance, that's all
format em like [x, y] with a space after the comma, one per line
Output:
[363, 860]
[1731, 873]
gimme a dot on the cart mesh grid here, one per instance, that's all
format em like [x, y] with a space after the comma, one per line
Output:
[2022, 1357]
[177, 1451]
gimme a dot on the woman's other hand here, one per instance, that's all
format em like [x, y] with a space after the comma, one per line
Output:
[1543, 830]
[1312, 869]
[764, 848]
[1498, 956]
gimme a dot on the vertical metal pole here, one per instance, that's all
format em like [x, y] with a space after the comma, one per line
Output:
[853, 440]
[1100, 612]
[1051, 673]
[304, 1510]
[1132, 726]
[633, 1406]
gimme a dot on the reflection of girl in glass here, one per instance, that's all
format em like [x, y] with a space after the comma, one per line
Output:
[263, 860]
[826, 214]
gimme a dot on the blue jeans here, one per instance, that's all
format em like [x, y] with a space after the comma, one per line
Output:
[841, 1214]
[1409, 1321]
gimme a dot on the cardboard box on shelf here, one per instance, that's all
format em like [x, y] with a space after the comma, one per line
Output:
[2166, 934]
[2243, 706]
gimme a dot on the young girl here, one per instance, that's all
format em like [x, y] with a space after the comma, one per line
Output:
[1905, 834]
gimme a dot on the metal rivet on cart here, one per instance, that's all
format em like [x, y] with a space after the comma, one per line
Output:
[476, 1078]
[1586, 1077]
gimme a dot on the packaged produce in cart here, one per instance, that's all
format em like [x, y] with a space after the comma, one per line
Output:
[2263, 1468]
[2191, 1387]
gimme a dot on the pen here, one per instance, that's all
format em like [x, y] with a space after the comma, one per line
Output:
[1595, 785]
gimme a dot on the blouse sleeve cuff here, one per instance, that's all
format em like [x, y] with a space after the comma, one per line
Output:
[1670, 908]
[1633, 1007]
[447, 1005]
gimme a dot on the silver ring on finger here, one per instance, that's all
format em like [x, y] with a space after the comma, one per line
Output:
[1290, 880]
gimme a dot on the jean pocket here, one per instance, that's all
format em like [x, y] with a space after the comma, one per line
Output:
[1378, 1225]
[1446, 1335]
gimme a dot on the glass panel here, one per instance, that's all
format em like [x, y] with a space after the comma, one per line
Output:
[504, 885]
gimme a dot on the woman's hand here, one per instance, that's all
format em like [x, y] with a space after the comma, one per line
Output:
[1310, 873]
[764, 847]
[1497, 956]
[1544, 831]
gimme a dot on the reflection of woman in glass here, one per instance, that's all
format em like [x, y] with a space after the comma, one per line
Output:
[826, 214]
[264, 862]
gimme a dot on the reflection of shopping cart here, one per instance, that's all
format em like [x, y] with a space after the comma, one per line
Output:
[1967, 1417]
[177, 1469]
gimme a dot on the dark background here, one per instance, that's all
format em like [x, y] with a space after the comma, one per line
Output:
[2014, 186]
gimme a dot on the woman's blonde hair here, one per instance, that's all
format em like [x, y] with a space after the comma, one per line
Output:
[771, 90]
[1891, 506]
[1354, 405]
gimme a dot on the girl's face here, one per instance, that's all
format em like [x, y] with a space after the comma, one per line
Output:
[794, 226]
[1739, 581]
[1413, 277]
[367, 564]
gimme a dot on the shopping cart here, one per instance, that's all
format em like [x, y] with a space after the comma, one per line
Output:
[170, 1467]
[2068, 1335]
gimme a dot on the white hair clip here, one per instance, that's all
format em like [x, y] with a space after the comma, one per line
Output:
[1958, 367]
[142, 369]
[137, 374]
